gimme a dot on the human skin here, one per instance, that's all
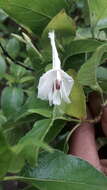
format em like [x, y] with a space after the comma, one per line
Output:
[82, 144]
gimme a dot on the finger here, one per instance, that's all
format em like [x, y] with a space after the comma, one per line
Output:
[82, 144]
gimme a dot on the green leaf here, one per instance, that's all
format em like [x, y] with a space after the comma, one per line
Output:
[33, 15]
[9, 160]
[17, 71]
[35, 105]
[16, 164]
[87, 74]
[2, 67]
[5, 155]
[13, 132]
[104, 86]
[98, 13]
[102, 73]
[60, 171]
[11, 100]
[83, 33]
[64, 27]
[102, 78]
[27, 79]
[56, 128]
[34, 55]
[81, 46]
[2, 119]
[77, 107]
[13, 47]
[30, 144]
[3, 15]
[10, 79]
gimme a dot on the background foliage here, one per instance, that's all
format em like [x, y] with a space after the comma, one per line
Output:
[29, 125]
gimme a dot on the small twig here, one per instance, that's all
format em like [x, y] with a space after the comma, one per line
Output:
[92, 121]
[69, 135]
[14, 61]
[72, 131]
[95, 120]
[75, 120]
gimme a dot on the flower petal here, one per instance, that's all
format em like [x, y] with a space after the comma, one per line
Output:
[65, 96]
[50, 97]
[57, 97]
[56, 60]
[46, 84]
[67, 82]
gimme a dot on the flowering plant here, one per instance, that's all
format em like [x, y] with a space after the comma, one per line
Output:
[55, 84]
[53, 92]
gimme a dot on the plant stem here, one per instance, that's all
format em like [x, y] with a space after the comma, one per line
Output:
[69, 135]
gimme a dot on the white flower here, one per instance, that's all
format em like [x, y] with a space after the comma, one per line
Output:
[55, 85]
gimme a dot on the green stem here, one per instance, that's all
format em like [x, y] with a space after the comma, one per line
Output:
[69, 135]
[75, 120]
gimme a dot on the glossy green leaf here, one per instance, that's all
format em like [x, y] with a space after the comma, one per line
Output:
[102, 78]
[3, 15]
[80, 46]
[56, 128]
[104, 86]
[35, 105]
[10, 79]
[16, 163]
[33, 53]
[9, 160]
[83, 33]
[34, 15]
[5, 155]
[60, 171]
[13, 47]
[87, 73]
[12, 132]
[17, 71]
[64, 27]
[11, 100]
[102, 73]
[77, 107]
[30, 144]
[27, 79]
[2, 119]
[2, 67]
[98, 13]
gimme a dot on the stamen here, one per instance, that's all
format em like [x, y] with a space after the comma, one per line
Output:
[58, 84]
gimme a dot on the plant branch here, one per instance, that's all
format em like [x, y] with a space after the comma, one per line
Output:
[69, 135]
[14, 61]
[95, 120]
